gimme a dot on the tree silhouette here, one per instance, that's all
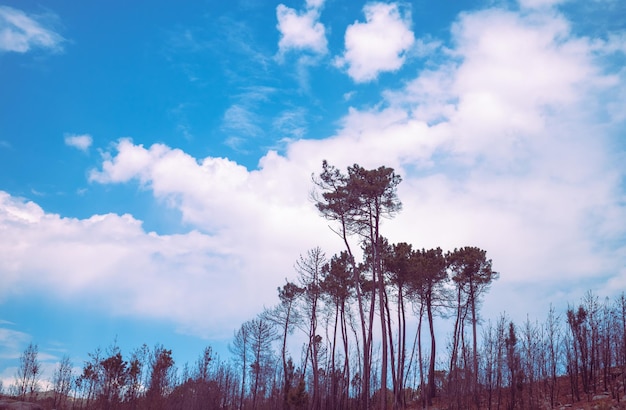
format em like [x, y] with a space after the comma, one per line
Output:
[114, 377]
[309, 269]
[338, 287]
[161, 377]
[261, 333]
[240, 348]
[28, 372]
[427, 278]
[359, 201]
[285, 315]
[472, 274]
[62, 382]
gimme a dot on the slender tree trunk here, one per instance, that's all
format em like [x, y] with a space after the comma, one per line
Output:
[315, 404]
[284, 356]
[334, 379]
[379, 279]
[474, 346]
[455, 338]
[384, 337]
[432, 389]
[420, 358]
[346, 359]
[399, 379]
[391, 349]
[366, 331]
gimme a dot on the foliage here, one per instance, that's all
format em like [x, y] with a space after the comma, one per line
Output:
[347, 361]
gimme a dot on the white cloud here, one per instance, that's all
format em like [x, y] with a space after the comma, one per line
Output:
[539, 4]
[111, 261]
[12, 343]
[20, 32]
[301, 31]
[81, 142]
[291, 124]
[426, 46]
[242, 122]
[378, 45]
[504, 142]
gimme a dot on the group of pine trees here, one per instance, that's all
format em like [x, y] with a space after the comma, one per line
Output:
[357, 331]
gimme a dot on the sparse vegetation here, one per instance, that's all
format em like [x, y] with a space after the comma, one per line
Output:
[356, 317]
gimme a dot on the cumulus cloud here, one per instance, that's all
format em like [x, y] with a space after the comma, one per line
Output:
[493, 143]
[20, 32]
[378, 45]
[503, 143]
[81, 142]
[301, 31]
[112, 262]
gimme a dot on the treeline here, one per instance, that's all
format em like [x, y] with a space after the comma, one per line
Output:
[357, 331]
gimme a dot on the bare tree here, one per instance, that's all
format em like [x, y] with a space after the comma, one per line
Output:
[493, 360]
[530, 355]
[90, 378]
[554, 338]
[240, 348]
[261, 333]
[28, 373]
[62, 382]
[285, 315]
[309, 271]
[513, 362]
[578, 354]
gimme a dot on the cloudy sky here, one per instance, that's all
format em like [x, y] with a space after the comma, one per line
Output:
[156, 158]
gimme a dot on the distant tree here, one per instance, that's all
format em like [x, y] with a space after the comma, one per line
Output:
[205, 392]
[261, 333]
[161, 377]
[493, 360]
[309, 269]
[114, 376]
[590, 370]
[620, 340]
[578, 358]
[62, 382]
[338, 288]
[513, 362]
[472, 275]
[285, 315]
[137, 375]
[554, 339]
[530, 360]
[90, 379]
[28, 372]
[203, 364]
[427, 277]
[397, 264]
[240, 349]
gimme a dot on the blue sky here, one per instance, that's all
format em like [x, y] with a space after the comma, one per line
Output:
[155, 159]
